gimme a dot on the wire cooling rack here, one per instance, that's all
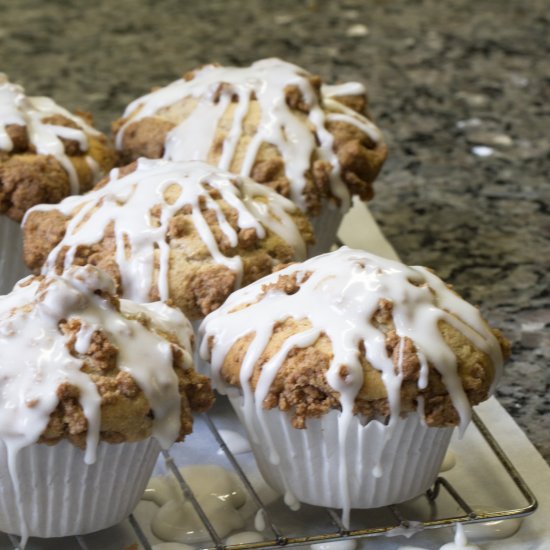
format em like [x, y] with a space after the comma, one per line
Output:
[445, 504]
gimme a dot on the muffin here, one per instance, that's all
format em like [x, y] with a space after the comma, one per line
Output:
[271, 121]
[46, 153]
[354, 367]
[184, 231]
[91, 386]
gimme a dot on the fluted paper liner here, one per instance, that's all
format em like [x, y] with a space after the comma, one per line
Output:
[61, 495]
[12, 267]
[309, 460]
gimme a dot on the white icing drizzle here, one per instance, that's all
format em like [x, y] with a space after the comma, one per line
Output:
[290, 500]
[298, 137]
[17, 108]
[342, 113]
[165, 318]
[339, 298]
[259, 520]
[127, 203]
[460, 542]
[346, 88]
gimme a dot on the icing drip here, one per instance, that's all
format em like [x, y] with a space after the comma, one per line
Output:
[348, 88]
[339, 112]
[127, 203]
[460, 542]
[165, 318]
[339, 298]
[259, 520]
[17, 108]
[297, 137]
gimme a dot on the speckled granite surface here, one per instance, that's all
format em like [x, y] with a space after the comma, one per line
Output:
[460, 88]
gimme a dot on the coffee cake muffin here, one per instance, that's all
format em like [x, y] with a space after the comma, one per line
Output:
[184, 231]
[272, 121]
[354, 367]
[91, 386]
[46, 154]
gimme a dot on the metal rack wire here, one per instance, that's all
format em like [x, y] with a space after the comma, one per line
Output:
[340, 532]
[395, 517]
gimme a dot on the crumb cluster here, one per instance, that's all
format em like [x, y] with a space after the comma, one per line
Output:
[28, 178]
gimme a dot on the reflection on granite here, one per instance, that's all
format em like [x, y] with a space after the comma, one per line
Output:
[458, 86]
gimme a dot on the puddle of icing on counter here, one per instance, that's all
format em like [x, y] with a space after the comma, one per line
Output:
[460, 542]
[172, 546]
[336, 545]
[449, 462]
[218, 491]
[246, 537]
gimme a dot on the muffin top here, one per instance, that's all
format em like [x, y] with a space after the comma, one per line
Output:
[352, 331]
[180, 230]
[77, 363]
[46, 153]
[272, 121]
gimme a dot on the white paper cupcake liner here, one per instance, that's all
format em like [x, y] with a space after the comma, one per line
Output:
[325, 228]
[12, 267]
[379, 465]
[61, 495]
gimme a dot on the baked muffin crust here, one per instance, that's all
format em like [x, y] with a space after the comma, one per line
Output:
[161, 229]
[272, 121]
[79, 364]
[46, 153]
[349, 329]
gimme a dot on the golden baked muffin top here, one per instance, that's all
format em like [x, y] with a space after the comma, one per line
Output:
[184, 231]
[77, 363]
[352, 331]
[46, 152]
[272, 121]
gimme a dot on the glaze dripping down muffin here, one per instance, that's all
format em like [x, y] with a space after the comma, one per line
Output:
[46, 152]
[408, 338]
[77, 363]
[355, 357]
[180, 230]
[272, 121]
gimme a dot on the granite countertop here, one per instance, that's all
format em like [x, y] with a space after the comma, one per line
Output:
[458, 88]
